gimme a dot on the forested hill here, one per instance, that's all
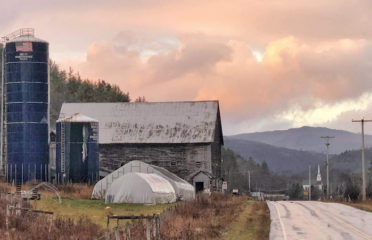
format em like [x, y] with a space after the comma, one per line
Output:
[308, 139]
[280, 160]
[70, 87]
[351, 161]
[235, 171]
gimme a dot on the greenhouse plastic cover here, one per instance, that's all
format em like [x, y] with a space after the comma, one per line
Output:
[184, 190]
[145, 188]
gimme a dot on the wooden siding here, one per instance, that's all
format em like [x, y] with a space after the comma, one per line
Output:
[183, 160]
[216, 150]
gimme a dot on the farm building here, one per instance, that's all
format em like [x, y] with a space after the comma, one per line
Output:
[182, 137]
[184, 190]
[153, 189]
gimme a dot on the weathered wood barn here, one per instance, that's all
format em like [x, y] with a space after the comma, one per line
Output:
[183, 137]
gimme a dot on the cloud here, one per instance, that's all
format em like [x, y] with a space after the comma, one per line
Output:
[292, 78]
[315, 54]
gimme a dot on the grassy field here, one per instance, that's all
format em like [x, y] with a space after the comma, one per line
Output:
[76, 202]
[95, 209]
[252, 223]
[79, 217]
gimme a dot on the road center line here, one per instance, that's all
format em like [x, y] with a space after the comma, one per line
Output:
[281, 223]
[357, 231]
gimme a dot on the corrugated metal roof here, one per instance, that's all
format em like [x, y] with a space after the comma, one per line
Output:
[77, 117]
[163, 122]
[28, 39]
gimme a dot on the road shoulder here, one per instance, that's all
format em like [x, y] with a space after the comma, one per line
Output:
[253, 222]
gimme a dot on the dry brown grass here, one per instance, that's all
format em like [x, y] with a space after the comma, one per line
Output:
[74, 191]
[252, 223]
[365, 206]
[259, 220]
[35, 227]
[70, 191]
[202, 218]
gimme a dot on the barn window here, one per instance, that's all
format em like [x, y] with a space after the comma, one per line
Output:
[198, 164]
[173, 163]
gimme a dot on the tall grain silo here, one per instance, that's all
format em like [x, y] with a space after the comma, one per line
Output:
[77, 149]
[26, 94]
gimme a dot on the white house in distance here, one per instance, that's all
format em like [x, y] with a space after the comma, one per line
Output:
[316, 183]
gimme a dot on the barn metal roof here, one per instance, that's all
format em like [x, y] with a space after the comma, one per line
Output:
[162, 122]
[77, 117]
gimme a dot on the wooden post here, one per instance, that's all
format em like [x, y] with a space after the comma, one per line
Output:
[117, 236]
[154, 233]
[18, 212]
[51, 223]
[128, 230]
[108, 221]
[7, 217]
[158, 227]
[148, 235]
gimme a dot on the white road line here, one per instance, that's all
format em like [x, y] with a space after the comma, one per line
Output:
[281, 223]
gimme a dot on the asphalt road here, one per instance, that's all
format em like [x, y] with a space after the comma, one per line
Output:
[318, 220]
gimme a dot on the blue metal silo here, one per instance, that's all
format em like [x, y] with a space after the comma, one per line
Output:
[26, 107]
[77, 154]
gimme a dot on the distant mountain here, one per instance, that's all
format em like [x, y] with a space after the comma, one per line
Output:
[308, 139]
[280, 160]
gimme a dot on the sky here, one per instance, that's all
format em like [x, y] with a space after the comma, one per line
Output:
[273, 64]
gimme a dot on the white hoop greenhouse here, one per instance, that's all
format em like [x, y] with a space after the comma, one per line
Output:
[183, 190]
[145, 188]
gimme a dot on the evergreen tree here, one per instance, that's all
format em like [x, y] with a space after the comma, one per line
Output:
[69, 87]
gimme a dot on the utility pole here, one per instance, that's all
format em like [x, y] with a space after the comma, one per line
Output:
[327, 144]
[362, 121]
[310, 182]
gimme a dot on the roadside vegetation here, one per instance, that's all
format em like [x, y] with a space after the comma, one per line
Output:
[77, 204]
[203, 218]
[79, 217]
[252, 223]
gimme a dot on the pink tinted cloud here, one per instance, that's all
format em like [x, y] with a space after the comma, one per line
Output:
[205, 68]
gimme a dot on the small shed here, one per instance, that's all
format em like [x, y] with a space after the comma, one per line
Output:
[144, 188]
[202, 181]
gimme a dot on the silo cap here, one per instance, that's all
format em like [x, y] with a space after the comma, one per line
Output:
[27, 39]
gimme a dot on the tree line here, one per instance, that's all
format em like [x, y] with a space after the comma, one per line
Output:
[70, 87]
[236, 170]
